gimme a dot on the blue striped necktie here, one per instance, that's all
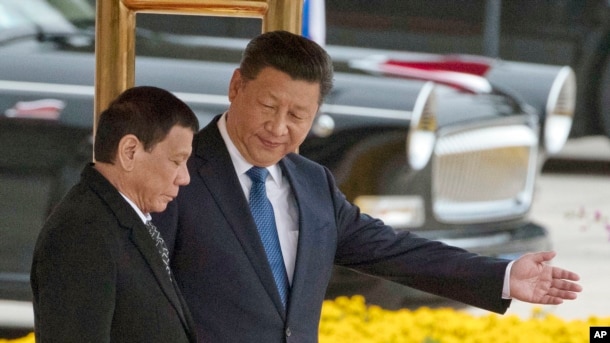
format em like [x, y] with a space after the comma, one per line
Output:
[262, 211]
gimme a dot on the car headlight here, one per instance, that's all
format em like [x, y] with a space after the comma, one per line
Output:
[323, 126]
[397, 211]
[422, 131]
[560, 110]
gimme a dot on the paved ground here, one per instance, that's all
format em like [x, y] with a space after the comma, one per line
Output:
[573, 202]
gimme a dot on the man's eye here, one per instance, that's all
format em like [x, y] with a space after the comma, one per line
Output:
[296, 115]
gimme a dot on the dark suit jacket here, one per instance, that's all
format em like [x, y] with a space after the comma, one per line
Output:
[98, 277]
[220, 263]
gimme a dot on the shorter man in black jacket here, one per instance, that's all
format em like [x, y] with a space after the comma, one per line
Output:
[100, 271]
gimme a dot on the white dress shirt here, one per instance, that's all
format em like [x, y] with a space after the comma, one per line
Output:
[280, 195]
[145, 217]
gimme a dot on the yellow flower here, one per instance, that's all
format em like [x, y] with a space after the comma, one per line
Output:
[26, 339]
[351, 320]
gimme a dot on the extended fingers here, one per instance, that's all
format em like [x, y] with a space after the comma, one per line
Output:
[564, 285]
[562, 289]
[559, 273]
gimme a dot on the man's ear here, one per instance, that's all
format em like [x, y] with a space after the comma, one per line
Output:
[235, 84]
[127, 151]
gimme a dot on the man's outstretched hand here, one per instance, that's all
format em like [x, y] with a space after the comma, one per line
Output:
[533, 280]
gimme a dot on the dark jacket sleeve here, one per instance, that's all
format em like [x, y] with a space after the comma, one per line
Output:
[368, 245]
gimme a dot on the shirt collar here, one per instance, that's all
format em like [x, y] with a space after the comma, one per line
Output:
[239, 162]
[144, 217]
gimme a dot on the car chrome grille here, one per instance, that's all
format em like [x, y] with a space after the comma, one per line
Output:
[484, 173]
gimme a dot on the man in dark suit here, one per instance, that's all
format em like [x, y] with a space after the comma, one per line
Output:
[100, 273]
[225, 257]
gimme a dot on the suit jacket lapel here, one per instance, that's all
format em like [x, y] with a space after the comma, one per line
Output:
[144, 243]
[312, 242]
[218, 175]
[308, 235]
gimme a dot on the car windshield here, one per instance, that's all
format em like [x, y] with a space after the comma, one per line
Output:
[70, 24]
[51, 17]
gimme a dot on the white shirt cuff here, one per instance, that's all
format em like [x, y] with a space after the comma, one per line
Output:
[506, 286]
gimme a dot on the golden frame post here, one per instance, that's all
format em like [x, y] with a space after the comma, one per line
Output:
[115, 33]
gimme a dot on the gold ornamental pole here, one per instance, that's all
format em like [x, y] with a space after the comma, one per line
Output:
[284, 15]
[115, 33]
[114, 53]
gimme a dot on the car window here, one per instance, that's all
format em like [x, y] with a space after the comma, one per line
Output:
[19, 14]
[200, 25]
[9, 18]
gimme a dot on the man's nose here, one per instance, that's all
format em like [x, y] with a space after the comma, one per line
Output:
[278, 124]
[183, 178]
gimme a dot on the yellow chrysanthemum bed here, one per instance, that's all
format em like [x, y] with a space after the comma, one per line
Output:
[351, 320]
[27, 339]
